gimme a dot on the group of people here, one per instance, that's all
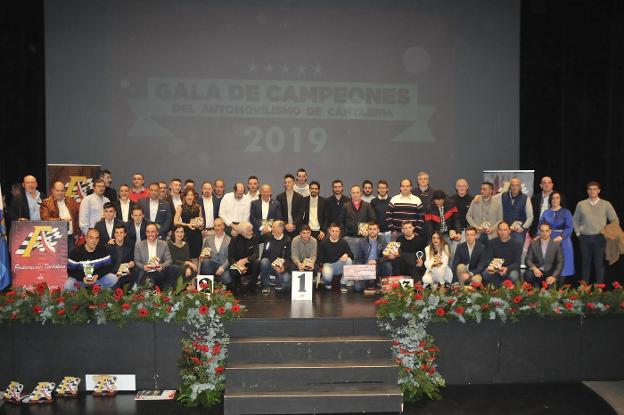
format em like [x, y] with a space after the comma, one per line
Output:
[249, 238]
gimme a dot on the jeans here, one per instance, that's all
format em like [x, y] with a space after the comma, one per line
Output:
[210, 267]
[497, 279]
[329, 270]
[266, 270]
[593, 250]
[106, 281]
[251, 276]
[354, 245]
[520, 236]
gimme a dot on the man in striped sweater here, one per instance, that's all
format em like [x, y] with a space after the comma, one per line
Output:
[93, 257]
[405, 207]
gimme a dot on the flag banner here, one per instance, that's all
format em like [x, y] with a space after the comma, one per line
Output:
[78, 178]
[501, 179]
[39, 252]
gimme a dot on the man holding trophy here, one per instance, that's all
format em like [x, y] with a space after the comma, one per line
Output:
[90, 264]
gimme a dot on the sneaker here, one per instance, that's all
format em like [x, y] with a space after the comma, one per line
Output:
[328, 287]
[344, 289]
[279, 289]
[266, 291]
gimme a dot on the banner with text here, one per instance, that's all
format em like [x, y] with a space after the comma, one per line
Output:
[39, 252]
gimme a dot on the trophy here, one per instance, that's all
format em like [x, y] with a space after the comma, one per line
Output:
[437, 260]
[307, 263]
[420, 255]
[278, 263]
[363, 229]
[268, 223]
[392, 248]
[496, 264]
[205, 253]
[452, 234]
[486, 226]
[123, 269]
[239, 268]
[88, 271]
[516, 226]
[154, 262]
[197, 222]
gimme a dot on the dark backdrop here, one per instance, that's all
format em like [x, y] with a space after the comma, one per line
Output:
[571, 95]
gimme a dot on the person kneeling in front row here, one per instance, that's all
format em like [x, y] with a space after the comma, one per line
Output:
[334, 253]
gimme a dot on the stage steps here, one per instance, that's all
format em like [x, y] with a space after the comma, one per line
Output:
[310, 365]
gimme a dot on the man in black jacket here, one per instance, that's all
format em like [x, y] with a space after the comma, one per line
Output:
[243, 258]
[25, 205]
[276, 245]
[291, 203]
[336, 202]
[540, 203]
[264, 211]
[315, 212]
[354, 219]
[122, 252]
[380, 205]
[470, 257]
[106, 225]
[333, 254]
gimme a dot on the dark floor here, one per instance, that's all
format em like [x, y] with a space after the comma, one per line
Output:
[324, 304]
[564, 399]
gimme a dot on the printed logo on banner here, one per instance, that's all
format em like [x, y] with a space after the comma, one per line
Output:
[39, 252]
[78, 187]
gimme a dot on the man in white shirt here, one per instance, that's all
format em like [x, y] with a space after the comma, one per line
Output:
[123, 206]
[135, 229]
[252, 188]
[235, 208]
[314, 212]
[217, 262]
[174, 199]
[25, 204]
[106, 226]
[157, 211]
[291, 203]
[367, 191]
[159, 273]
[92, 206]
[207, 208]
[301, 183]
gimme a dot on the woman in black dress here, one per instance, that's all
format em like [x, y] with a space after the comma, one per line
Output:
[188, 214]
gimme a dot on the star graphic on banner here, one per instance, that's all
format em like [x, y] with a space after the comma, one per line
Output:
[317, 69]
[285, 68]
[252, 67]
[301, 69]
[268, 67]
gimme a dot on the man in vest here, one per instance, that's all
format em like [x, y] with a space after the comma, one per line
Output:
[517, 210]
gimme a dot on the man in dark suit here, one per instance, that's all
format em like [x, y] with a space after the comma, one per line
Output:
[106, 225]
[25, 205]
[544, 258]
[135, 228]
[470, 257]
[264, 210]
[291, 204]
[122, 252]
[123, 205]
[315, 211]
[157, 211]
[539, 202]
[336, 202]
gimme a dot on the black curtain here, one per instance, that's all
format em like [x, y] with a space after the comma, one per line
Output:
[22, 96]
[572, 97]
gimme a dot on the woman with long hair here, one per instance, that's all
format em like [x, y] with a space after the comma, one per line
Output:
[437, 255]
[188, 215]
[180, 254]
[562, 225]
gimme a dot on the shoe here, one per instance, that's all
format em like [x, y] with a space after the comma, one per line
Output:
[344, 289]
[105, 386]
[13, 392]
[41, 394]
[68, 388]
[328, 287]
[266, 291]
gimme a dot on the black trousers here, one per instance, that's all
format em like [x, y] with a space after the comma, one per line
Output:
[250, 277]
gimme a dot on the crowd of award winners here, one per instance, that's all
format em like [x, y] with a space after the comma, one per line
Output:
[251, 239]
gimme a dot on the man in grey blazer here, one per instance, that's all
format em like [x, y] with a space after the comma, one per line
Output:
[159, 273]
[157, 211]
[217, 263]
[544, 258]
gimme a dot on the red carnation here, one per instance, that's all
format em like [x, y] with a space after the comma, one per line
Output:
[517, 299]
[440, 311]
[418, 296]
[381, 301]
[221, 310]
[60, 300]
[125, 306]
[508, 284]
[216, 349]
[203, 309]
[61, 312]
[600, 286]
[11, 293]
[96, 289]
[143, 312]
[166, 299]
[169, 309]
[395, 285]
[475, 284]
[37, 309]
[591, 306]
[451, 301]
[459, 310]
[568, 305]
[157, 289]
[616, 285]
[219, 370]
[236, 308]
[485, 306]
